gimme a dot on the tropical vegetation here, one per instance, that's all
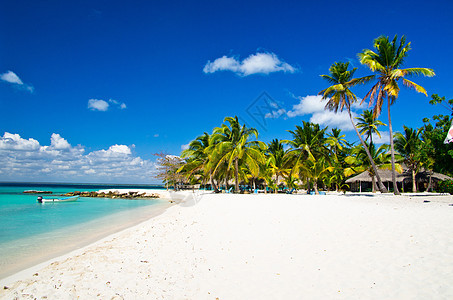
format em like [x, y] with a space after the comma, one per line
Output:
[232, 157]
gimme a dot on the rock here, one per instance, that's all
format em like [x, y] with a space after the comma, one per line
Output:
[37, 192]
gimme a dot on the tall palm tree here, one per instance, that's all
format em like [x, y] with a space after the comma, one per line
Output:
[308, 146]
[276, 159]
[339, 96]
[197, 158]
[368, 125]
[232, 147]
[387, 62]
[409, 146]
[336, 140]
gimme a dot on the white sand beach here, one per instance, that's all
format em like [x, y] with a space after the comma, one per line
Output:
[229, 246]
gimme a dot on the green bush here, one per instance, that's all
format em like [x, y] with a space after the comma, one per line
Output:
[445, 186]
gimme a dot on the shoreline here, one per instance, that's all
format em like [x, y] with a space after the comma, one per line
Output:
[88, 233]
[253, 246]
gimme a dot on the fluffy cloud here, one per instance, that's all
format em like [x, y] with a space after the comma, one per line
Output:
[259, 63]
[15, 142]
[59, 143]
[11, 77]
[102, 105]
[314, 105]
[28, 160]
[185, 146]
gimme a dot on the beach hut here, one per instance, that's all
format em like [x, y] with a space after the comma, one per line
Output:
[363, 181]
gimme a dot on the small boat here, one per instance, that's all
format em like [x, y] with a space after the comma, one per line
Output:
[64, 199]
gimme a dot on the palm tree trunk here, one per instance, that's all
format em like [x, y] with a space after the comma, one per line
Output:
[392, 150]
[315, 186]
[380, 184]
[236, 174]
[373, 182]
[213, 185]
[414, 183]
[430, 182]
[276, 183]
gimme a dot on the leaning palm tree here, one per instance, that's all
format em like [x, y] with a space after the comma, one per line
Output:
[359, 161]
[339, 96]
[233, 148]
[368, 125]
[387, 62]
[409, 147]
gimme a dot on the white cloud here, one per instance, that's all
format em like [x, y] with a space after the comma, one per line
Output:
[15, 142]
[100, 105]
[27, 160]
[185, 146]
[156, 135]
[58, 143]
[11, 77]
[384, 139]
[259, 63]
[117, 103]
[314, 105]
[275, 114]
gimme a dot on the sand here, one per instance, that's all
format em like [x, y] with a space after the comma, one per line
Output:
[263, 247]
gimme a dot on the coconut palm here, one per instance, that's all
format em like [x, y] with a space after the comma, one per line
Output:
[368, 125]
[231, 146]
[336, 140]
[339, 96]
[408, 146]
[308, 146]
[276, 159]
[387, 62]
[197, 158]
[316, 169]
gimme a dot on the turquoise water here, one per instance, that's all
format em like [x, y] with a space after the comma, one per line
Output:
[31, 232]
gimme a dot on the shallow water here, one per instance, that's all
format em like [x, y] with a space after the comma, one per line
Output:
[31, 232]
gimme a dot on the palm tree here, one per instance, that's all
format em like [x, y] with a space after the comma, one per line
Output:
[197, 158]
[368, 125]
[339, 147]
[336, 140]
[308, 146]
[339, 95]
[387, 62]
[276, 159]
[232, 147]
[316, 169]
[409, 146]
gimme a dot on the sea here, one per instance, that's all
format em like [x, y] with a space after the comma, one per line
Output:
[32, 232]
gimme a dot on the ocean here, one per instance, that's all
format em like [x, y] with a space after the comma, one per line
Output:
[31, 233]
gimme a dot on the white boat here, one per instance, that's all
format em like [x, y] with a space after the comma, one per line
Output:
[64, 199]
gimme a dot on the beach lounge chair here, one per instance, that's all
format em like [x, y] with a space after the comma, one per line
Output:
[290, 191]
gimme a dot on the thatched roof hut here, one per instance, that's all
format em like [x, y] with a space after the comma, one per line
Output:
[402, 179]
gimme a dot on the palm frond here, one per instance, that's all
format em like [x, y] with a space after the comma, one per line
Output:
[414, 86]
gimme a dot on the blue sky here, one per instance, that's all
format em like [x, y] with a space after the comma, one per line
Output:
[89, 90]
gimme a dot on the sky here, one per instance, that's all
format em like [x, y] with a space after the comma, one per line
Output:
[90, 90]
